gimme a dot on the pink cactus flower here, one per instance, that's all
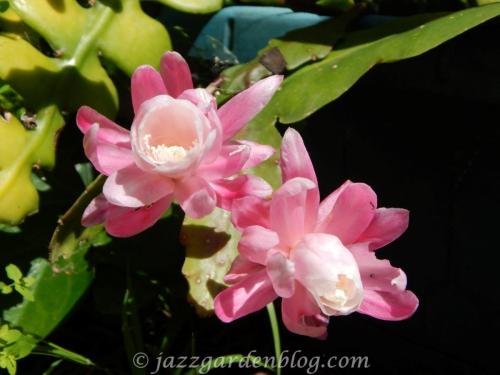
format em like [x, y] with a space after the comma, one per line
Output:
[318, 257]
[180, 148]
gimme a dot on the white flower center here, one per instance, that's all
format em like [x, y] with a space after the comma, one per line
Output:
[162, 153]
[342, 294]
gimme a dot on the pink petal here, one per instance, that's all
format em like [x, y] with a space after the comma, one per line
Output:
[196, 197]
[295, 160]
[302, 316]
[387, 225]
[258, 153]
[245, 297]
[146, 83]
[132, 187]
[229, 190]
[240, 269]
[127, 222]
[385, 296]
[294, 210]
[95, 213]
[175, 73]
[242, 108]
[230, 161]
[200, 98]
[389, 306]
[348, 212]
[249, 211]
[107, 158]
[255, 242]
[320, 261]
[109, 132]
[281, 271]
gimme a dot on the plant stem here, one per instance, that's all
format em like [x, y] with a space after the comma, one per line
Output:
[276, 336]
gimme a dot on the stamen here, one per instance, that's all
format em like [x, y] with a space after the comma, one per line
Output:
[162, 153]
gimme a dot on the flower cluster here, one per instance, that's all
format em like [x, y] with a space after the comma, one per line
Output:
[319, 257]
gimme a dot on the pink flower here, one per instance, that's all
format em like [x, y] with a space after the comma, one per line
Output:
[318, 257]
[179, 148]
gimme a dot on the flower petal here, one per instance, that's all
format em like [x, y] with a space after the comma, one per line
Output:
[127, 222]
[294, 158]
[109, 132]
[196, 197]
[175, 73]
[242, 108]
[249, 295]
[230, 189]
[249, 211]
[258, 153]
[301, 314]
[294, 210]
[255, 242]
[387, 225]
[329, 272]
[389, 306]
[132, 187]
[230, 161]
[240, 269]
[95, 213]
[146, 83]
[107, 158]
[281, 271]
[385, 295]
[347, 212]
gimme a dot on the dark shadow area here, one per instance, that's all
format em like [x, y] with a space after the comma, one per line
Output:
[58, 5]
[34, 83]
[202, 242]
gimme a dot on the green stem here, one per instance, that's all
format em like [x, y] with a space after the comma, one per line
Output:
[276, 336]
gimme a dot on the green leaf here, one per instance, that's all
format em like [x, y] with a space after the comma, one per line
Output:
[13, 272]
[9, 229]
[298, 47]
[8, 335]
[75, 76]
[5, 289]
[210, 249]
[71, 241]
[316, 85]
[55, 294]
[194, 6]
[24, 148]
[24, 291]
[39, 183]
[4, 5]
[85, 172]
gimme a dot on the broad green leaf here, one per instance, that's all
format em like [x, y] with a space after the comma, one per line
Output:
[210, 249]
[316, 85]
[119, 31]
[298, 47]
[194, 6]
[20, 149]
[55, 294]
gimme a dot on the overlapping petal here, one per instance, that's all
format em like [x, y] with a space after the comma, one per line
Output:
[245, 297]
[243, 107]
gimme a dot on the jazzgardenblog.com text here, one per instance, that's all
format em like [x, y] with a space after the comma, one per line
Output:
[287, 359]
